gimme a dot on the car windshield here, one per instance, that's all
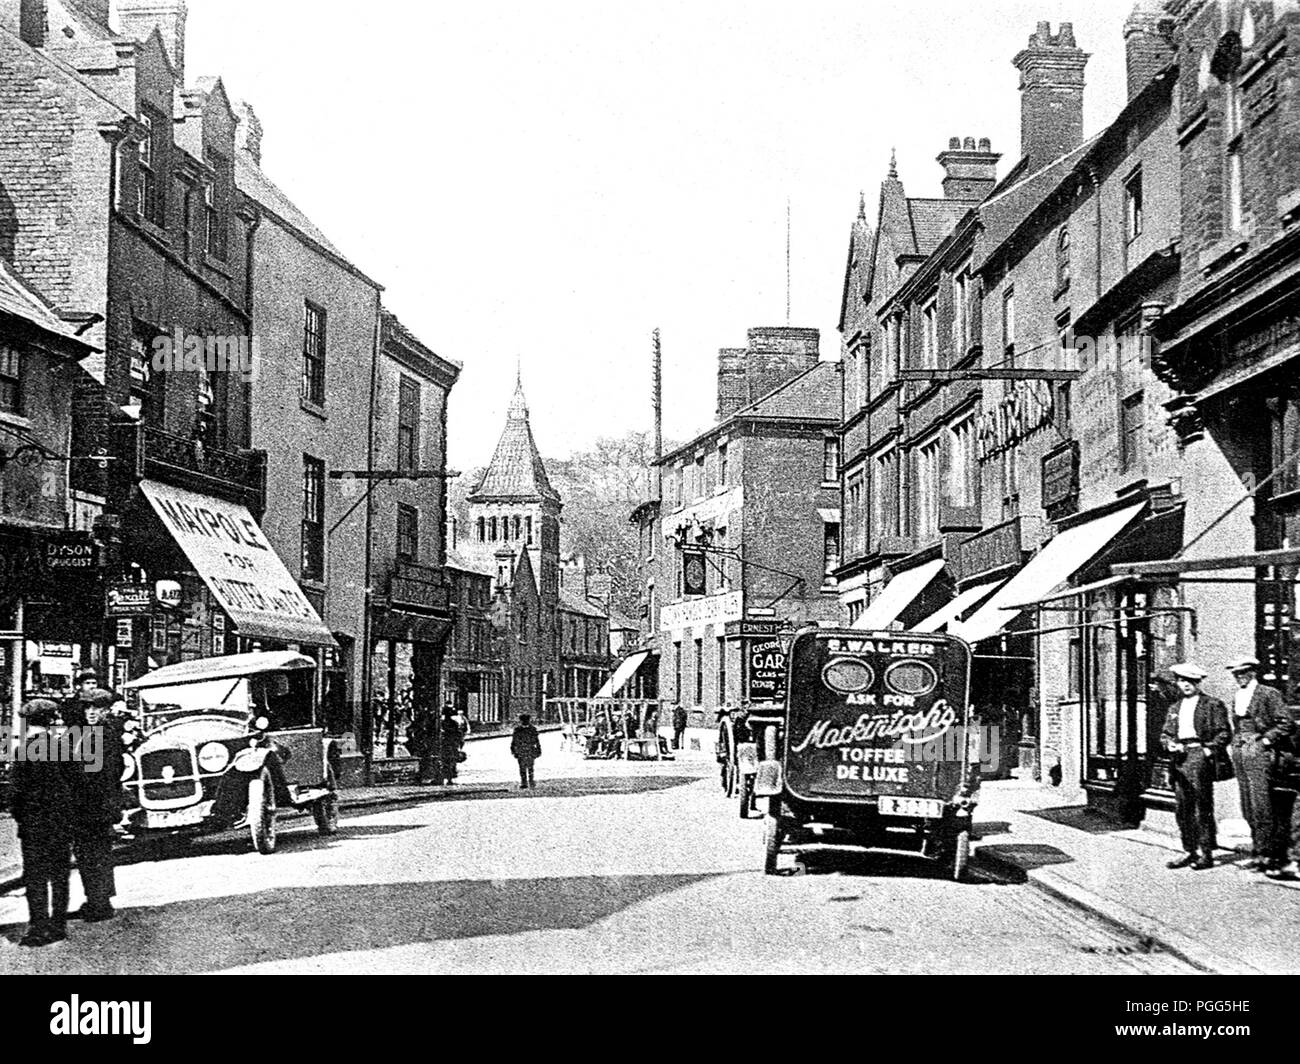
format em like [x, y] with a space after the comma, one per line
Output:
[226, 697]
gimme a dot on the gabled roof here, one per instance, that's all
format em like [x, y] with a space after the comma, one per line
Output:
[19, 301]
[815, 393]
[516, 470]
[933, 219]
[860, 245]
[251, 181]
[571, 603]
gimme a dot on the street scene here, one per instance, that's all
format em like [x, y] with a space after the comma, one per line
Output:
[761, 491]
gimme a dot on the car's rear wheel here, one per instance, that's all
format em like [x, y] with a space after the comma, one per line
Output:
[326, 810]
[261, 812]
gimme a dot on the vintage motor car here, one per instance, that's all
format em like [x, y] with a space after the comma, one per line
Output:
[227, 742]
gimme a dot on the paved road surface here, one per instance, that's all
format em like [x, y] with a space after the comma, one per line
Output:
[606, 867]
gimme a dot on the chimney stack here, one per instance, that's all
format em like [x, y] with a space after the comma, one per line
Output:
[139, 18]
[248, 132]
[969, 171]
[1051, 94]
[33, 26]
[1148, 44]
[775, 355]
[95, 9]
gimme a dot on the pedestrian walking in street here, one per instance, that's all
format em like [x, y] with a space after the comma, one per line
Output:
[41, 806]
[449, 752]
[526, 746]
[1196, 735]
[421, 741]
[1259, 719]
[95, 790]
[679, 725]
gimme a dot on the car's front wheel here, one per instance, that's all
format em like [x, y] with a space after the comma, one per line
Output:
[261, 812]
[326, 810]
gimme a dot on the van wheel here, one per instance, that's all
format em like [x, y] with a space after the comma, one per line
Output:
[773, 836]
[261, 812]
[326, 810]
[960, 855]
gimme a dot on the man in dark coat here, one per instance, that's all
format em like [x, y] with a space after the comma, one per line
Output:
[526, 746]
[1259, 719]
[679, 726]
[96, 791]
[422, 741]
[1196, 735]
[41, 806]
[449, 750]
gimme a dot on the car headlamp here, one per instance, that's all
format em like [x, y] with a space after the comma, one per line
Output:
[213, 757]
[128, 767]
[261, 724]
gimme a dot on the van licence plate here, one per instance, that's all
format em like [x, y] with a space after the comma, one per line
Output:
[930, 808]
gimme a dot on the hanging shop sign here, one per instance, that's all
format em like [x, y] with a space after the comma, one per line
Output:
[1061, 480]
[1024, 410]
[168, 592]
[994, 548]
[128, 600]
[694, 572]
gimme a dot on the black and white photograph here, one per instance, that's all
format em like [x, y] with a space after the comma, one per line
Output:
[681, 488]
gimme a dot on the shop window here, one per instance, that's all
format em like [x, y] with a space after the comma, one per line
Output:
[313, 518]
[11, 380]
[408, 424]
[408, 532]
[313, 353]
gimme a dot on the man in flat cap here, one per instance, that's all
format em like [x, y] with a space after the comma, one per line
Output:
[96, 785]
[41, 806]
[1196, 737]
[1259, 720]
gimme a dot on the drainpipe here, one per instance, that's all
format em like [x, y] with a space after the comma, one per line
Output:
[1096, 199]
[367, 682]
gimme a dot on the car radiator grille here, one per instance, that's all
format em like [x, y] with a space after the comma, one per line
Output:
[182, 785]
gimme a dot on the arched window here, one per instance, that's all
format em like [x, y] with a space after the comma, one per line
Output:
[518, 526]
[492, 529]
[1063, 258]
[482, 530]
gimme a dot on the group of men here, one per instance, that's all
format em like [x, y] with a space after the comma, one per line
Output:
[69, 807]
[1257, 741]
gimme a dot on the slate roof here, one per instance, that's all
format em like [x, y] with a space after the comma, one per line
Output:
[577, 604]
[251, 181]
[19, 301]
[933, 219]
[516, 470]
[456, 560]
[815, 393]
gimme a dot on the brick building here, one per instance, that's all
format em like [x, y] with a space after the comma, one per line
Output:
[1229, 340]
[472, 673]
[744, 542]
[49, 577]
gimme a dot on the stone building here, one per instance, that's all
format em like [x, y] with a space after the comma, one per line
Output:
[742, 546]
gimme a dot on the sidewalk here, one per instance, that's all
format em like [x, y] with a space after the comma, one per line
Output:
[1223, 920]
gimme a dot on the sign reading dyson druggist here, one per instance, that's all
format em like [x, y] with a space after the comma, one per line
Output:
[870, 714]
[244, 574]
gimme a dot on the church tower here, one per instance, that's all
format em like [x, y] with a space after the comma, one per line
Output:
[514, 508]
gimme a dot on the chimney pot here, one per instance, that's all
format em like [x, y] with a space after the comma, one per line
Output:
[1051, 95]
[985, 144]
[33, 26]
[954, 143]
[969, 144]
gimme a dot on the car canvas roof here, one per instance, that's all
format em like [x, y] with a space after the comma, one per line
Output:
[222, 668]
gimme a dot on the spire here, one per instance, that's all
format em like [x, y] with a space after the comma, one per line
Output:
[518, 410]
[516, 470]
[893, 165]
[862, 206]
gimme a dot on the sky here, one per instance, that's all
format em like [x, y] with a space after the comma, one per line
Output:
[541, 184]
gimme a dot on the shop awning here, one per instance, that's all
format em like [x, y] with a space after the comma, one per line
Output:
[944, 616]
[241, 569]
[1073, 592]
[898, 594]
[1064, 556]
[625, 671]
